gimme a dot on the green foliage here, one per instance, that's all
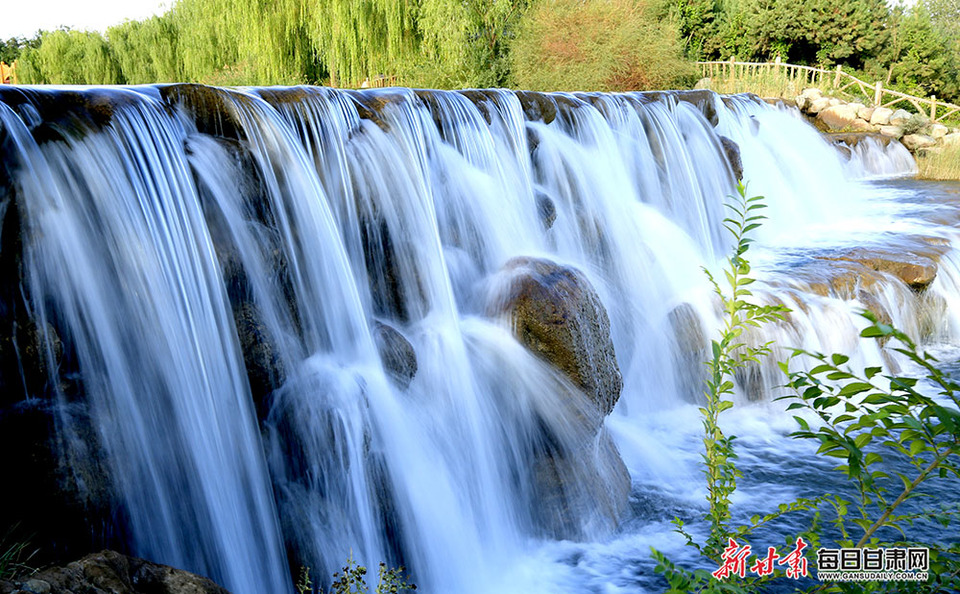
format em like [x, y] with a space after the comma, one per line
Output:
[14, 557]
[11, 49]
[730, 352]
[867, 417]
[352, 580]
[246, 42]
[69, 57]
[148, 51]
[597, 45]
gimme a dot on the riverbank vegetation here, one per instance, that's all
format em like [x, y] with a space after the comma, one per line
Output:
[940, 164]
[543, 44]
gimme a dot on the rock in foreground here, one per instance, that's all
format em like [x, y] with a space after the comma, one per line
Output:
[109, 572]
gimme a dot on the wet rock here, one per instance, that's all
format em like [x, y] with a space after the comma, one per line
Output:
[261, 355]
[916, 269]
[853, 139]
[583, 494]
[212, 109]
[109, 572]
[397, 354]
[692, 351]
[557, 315]
[546, 208]
[732, 152]
[60, 496]
[537, 107]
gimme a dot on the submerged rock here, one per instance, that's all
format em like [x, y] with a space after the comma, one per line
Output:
[261, 354]
[557, 315]
[692, 351]
[109, 572]
[398, 355]
[915, 268]
[582, 494]
[546, 208]
[732, 151]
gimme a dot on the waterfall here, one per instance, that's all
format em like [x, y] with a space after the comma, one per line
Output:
[215, 274]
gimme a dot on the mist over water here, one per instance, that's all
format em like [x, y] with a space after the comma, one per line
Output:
[193, 233]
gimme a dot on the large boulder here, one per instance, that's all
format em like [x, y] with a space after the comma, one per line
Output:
[881, 116]
[891, 131]
[918, 141]
[938, 131]
[839, 117]
[815, 106]
[109, 572]
[557, 315]
[900, 117]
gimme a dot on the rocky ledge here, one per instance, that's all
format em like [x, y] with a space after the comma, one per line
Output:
[915, 131]
[109, 572]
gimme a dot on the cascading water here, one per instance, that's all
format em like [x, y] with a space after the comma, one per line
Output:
[230, 277]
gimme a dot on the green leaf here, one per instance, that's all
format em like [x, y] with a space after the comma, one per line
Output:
[854, 388]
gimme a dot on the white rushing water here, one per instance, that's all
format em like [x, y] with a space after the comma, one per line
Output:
[193, 219]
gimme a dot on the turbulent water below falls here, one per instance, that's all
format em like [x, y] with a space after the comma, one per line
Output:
[197, 282]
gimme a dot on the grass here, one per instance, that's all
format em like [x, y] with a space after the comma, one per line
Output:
[942, 163]
[14, 558]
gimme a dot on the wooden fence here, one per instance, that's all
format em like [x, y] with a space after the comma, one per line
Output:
[841, 82]
[8, 74]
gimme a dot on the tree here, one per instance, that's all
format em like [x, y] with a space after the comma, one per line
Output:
[69, 57]
[597, 45]
[148, 51]
[925, 61]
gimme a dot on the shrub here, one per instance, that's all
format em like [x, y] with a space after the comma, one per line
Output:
[598, 45]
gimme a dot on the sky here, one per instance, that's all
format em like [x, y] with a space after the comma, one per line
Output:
[22, 18]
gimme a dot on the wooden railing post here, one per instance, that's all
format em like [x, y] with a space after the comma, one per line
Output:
[733, 68]
[878, 93]
[933, 108]
[836, 79]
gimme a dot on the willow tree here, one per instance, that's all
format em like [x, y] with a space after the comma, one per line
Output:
[466, 43]
[148, 51]
[359, 39]
[67, 57]
[247, 42]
